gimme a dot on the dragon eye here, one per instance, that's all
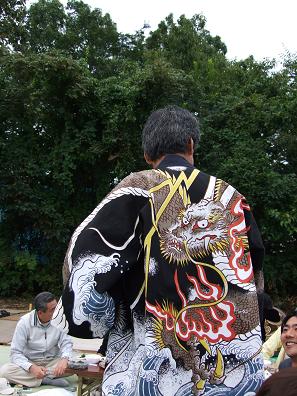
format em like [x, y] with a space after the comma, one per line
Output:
[202, 223]
[185, 221]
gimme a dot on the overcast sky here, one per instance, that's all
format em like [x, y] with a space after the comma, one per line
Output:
[263, 28]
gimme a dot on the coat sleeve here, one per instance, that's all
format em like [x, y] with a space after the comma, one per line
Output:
[65, 345]
[103, 248]
[256, 247]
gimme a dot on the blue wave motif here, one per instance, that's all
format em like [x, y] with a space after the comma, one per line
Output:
[149, 378]
[251, 382]
[100, 306]
[185, 390]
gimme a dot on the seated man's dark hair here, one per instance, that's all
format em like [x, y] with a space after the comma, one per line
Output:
[42, 299]
[169, 131]
[288, 317]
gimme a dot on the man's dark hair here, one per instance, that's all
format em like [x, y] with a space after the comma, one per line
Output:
[288, 317]
[168, 131]
[282, 383]
[42, 299]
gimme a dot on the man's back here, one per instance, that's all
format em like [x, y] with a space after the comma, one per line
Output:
[175, 284]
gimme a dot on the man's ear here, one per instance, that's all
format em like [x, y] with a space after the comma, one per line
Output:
[152, 163]
[190, 147]
[147, 159]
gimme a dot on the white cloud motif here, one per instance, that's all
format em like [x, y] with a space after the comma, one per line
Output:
[154, 267]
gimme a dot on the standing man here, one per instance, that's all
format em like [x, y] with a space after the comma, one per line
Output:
[167, 262]
[39, 352]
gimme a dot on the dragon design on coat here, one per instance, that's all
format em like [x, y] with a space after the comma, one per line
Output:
[203, 227]
[189, 232]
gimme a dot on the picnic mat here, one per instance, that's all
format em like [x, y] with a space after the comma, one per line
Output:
[7, 328]
[88, 345]
[4, 354]
[54, 392]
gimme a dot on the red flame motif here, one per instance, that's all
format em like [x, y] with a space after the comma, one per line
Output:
[244, 273]
[208, 319]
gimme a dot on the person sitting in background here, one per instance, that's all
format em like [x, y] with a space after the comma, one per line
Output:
[273, 345]
[39, 352]
[289, 340]
[266, 312]
[283, 382]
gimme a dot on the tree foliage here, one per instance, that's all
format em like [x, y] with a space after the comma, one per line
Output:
[75, 94]
[12, 15]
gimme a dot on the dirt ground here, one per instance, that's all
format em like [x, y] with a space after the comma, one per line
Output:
[22, 303]
[15, 303]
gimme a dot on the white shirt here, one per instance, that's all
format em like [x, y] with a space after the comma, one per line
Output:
[33, 341]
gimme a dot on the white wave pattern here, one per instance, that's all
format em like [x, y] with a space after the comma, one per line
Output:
[124, 380]
[82, 282]
[246, 344]
[177, 168]
[222, 263]
[59, 319]
[113, 195]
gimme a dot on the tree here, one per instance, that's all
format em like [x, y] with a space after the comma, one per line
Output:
[75, 97]
[76, 31]
[48, 121]
[45, 24]
[12, 14]
[245, 124]
[185, 42]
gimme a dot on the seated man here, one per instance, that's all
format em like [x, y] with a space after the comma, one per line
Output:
[272, 346]
[289, 340]
[39, 352]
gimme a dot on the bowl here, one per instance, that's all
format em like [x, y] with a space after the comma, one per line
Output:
[78, 364]
[93, 358]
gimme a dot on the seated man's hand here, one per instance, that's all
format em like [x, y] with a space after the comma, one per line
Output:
[38, 371]
[60, 367]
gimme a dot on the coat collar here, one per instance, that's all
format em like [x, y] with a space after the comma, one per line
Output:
[35, 320]
[174, 161]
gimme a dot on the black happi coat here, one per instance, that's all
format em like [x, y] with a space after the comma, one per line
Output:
[166, 263]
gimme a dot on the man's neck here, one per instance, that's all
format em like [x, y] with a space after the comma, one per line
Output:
[294, 361]
[45, 324]
[188, 157]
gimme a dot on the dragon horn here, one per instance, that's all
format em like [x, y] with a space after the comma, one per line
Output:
[219, 370]
[205, 344]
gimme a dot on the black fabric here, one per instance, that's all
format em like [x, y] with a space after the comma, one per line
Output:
[163, 265]
[266, 312]
[4, 313]
[103, 347]
[257, 250]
